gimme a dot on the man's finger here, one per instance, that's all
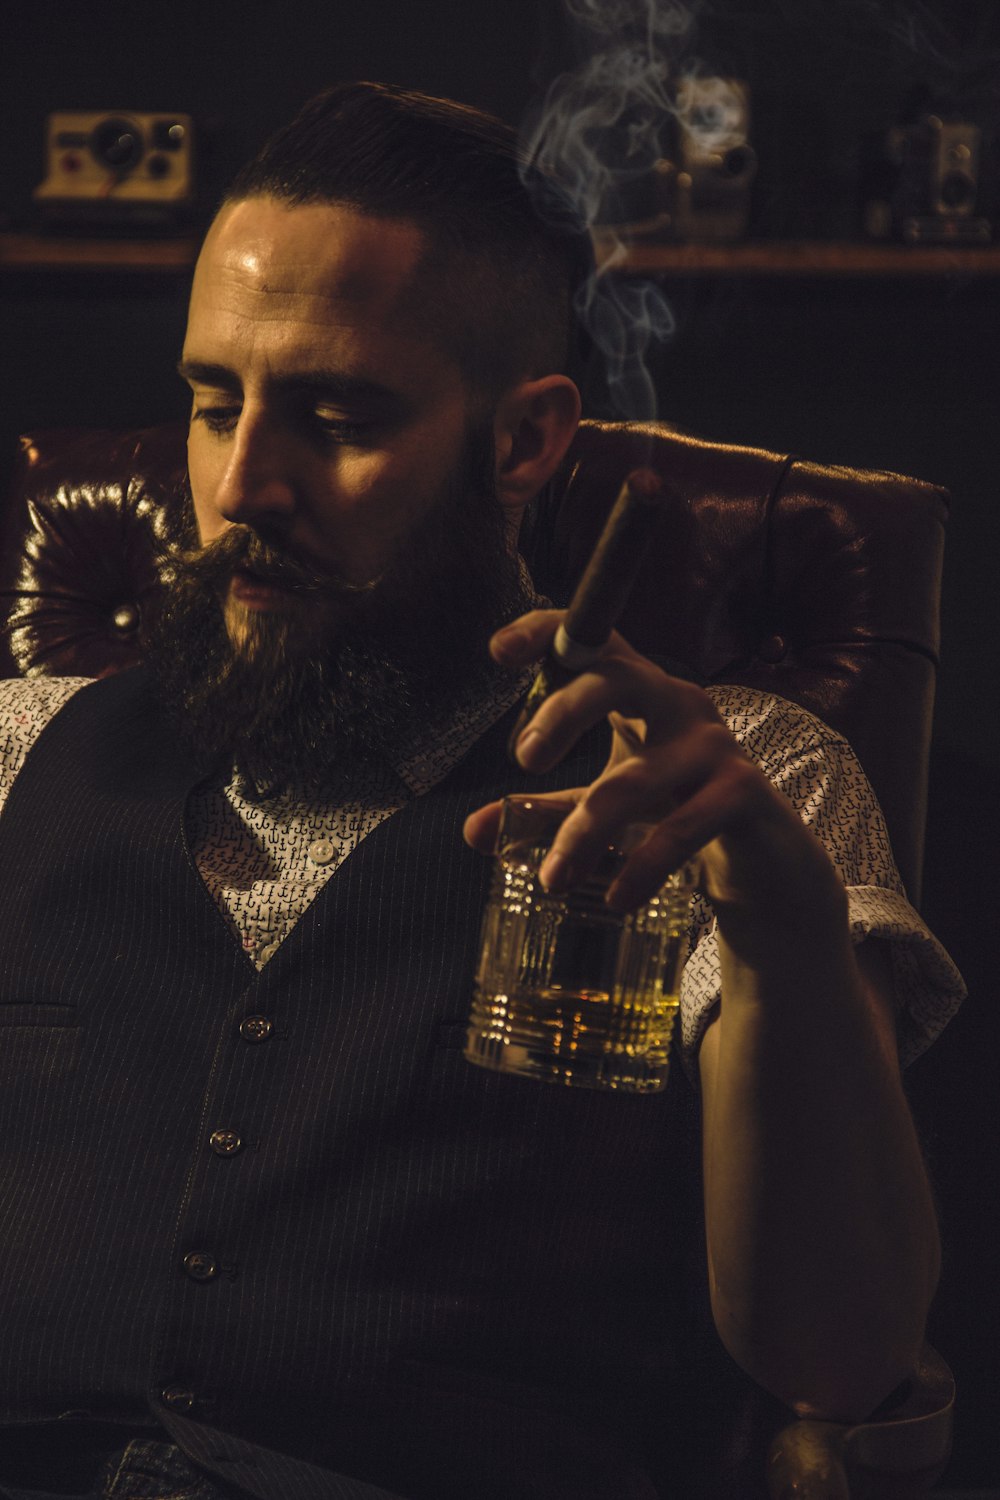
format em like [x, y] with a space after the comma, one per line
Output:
[480, 828]
[525, 639]
[689, 789]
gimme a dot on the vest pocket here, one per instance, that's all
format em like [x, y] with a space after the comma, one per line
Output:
[38, 1042]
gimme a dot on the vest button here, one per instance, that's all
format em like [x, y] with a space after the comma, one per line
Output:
[178, 1398]
[225, 1142]
[256, 1028]
[201, 1266]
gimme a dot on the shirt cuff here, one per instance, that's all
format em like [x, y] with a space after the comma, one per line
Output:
[928, 987]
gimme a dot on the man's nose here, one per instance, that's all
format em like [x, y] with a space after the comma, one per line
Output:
[258, 483]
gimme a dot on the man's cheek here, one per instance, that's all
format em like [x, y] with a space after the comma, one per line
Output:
[209, 524]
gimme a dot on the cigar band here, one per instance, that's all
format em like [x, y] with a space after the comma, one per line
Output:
[572, 654]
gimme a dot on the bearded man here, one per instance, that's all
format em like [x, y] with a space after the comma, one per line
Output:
[266, 1232]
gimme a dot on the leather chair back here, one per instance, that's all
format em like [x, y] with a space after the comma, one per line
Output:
[817, 583]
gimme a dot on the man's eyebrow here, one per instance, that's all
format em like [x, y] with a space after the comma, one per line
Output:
[337, 386]
[332, 384]
[199, 373]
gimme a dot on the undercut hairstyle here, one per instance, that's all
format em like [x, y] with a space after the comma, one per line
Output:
[503, 255]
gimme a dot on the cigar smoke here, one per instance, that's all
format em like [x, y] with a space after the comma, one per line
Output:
[599, 128]
[604, 124]
[953, 40]
[949, 40]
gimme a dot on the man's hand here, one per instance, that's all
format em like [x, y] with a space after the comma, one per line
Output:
[673, 764]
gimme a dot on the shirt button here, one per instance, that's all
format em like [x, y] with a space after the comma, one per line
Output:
[256, 1028]
[178, 1398]
[267, 952]
[201, 1266]
[225, 1142]
[321, 851]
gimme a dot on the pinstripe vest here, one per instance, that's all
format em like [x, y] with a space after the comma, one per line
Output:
[323, 1227]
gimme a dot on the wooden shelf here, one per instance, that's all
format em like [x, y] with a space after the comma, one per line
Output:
[56, 252]
[805, 258]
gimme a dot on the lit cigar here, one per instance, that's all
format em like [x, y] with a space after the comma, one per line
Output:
[602, 593]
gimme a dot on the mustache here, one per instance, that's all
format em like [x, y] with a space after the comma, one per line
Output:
[241, 549]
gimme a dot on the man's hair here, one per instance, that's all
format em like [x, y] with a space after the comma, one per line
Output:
[503, 257]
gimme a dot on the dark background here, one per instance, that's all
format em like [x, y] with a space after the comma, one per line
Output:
[900, 374]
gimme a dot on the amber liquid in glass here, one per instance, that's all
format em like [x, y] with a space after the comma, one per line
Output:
[568, 990]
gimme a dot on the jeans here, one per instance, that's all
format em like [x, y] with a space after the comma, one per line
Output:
[143, 1470]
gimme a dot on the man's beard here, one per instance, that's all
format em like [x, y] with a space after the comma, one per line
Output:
[305, 694]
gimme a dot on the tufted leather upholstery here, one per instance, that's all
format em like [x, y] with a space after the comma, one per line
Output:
[817, 583]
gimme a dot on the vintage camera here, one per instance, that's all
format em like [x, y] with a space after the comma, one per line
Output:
[117, 168]
[699, 189]
[924, 185]
[716, 164]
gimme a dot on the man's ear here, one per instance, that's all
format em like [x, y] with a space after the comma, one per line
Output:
[533, 426]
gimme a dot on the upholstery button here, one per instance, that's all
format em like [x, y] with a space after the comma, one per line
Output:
[774, 648]
[201, 1266]
[178, 1398]
[256, 1028]
[225, 1142]
[321, 851]
[126, 618]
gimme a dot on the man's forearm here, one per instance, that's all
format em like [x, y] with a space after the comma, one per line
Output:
[822, 1239]
[822, 1242]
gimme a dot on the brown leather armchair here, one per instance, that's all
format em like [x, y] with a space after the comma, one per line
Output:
[820, 584]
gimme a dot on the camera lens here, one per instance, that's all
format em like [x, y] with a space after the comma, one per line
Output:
[117, 144]
[738, 161]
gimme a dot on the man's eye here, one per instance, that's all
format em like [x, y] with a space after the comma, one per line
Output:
[217, 418]
[340, 428]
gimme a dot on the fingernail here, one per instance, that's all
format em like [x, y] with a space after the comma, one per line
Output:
[622, 897]
[556, 873]
[510, 641]
[617, 898]
[530, 748]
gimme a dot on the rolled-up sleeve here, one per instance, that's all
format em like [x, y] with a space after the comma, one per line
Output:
[819, 773]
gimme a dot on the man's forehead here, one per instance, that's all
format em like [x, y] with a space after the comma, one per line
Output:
[268, 249]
